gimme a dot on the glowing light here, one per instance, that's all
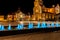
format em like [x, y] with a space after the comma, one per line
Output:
[20, 26]
[57, 25]
[9, 27]
[1, 27]
[48, 25]
[21, 16]
[38, 25]
[43, 25]
[52, 24]
[30, 26]
[21, 22]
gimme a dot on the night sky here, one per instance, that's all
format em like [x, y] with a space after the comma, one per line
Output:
[49, 3]
[7, 6]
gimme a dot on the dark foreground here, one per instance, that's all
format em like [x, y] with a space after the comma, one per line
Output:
[33, 36]
[26, 31]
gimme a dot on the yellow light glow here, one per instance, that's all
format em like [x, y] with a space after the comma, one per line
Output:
[21, 22]
[51, 10]
[21, 15]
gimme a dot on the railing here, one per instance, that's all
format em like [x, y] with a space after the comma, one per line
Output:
[28, 25]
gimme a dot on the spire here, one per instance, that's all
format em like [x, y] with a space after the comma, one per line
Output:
[18, 10]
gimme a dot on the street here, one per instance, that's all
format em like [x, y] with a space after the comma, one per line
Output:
[34, 36]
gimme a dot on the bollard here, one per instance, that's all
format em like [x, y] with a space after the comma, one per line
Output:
[0, 27]
[38, 25]
[48, 25]
[30, 26]
[20, 26]
[3, 27]
[57, 25]
[52, 25]
[9, 27]
[43, 25]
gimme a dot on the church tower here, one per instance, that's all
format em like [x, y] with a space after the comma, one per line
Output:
[57, 9]
[37, 10]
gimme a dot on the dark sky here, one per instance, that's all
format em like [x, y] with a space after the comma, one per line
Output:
[49, 3]
[7, 6]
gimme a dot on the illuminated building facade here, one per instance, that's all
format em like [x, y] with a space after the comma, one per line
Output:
[9, 17]
[50, 13]
[20, 15]
[37, 10]
[40, 12]
[57, 9]
[1, 17]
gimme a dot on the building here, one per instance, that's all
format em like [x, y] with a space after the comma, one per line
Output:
[20, 15]
[57, 9]
[37, 10]
[49, 13]
[1, 17]
[15, 18]
[57, 17]
[49, 16]
[40, 13]
[9, 17]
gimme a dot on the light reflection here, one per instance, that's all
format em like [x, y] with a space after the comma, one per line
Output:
[20, 26]
[9, 27]
[30, 26]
